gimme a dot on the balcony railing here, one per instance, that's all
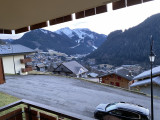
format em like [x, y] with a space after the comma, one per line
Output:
[26, 60]
[34, 111]
[27, 69]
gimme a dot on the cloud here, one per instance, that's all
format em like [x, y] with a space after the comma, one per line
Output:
[11, 36]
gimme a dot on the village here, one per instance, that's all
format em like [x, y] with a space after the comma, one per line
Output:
[23, 61]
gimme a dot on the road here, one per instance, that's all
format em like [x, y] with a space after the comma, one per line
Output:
[73, 95]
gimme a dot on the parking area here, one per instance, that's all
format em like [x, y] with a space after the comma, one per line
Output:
[73, 95]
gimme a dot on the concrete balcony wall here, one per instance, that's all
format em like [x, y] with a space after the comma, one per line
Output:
[26, 60]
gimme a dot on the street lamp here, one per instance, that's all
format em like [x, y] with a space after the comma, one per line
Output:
[151, 58]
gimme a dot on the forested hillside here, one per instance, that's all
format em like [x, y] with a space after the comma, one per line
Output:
[131, 46]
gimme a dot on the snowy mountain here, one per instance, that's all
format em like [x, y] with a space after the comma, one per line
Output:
[83, 35]
[65, 40]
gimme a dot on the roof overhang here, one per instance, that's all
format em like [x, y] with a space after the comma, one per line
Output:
[21, 16]
[14, 54]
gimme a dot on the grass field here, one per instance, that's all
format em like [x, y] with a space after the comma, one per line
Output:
[6, 99]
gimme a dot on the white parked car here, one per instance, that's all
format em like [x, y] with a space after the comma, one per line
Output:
[121, 111]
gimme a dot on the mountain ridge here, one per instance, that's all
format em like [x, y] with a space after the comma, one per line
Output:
[65, 40]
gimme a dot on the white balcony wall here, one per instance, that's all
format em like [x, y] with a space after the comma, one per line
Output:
[10, 61]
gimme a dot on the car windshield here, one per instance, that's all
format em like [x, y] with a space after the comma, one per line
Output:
[110, 106]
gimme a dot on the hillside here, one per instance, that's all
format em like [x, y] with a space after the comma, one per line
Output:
[65, 40]
[2, 42]
[131, 46]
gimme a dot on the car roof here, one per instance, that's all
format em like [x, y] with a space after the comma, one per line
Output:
[129, 107]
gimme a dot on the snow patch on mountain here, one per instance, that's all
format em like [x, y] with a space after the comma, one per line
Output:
[67, 31]
[58, 32]
[80, 33]
[91, 36]
[78, 41]
[75, 46]
[44, 31]
[52, 35]
[94, 47]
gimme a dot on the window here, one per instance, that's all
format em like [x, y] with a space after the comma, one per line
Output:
[125, 114]
[111, 83]
[117, 84]
[119, 78]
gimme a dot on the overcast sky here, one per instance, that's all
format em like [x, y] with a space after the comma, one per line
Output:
[109, 21]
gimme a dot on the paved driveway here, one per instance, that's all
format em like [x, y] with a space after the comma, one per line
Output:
[70, 94]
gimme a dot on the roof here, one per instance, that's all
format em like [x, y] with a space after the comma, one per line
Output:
[155, 71]
[40, 65]
[14, 49]
[18, 15]
[155, 80]
[93, 74]
[75, 67]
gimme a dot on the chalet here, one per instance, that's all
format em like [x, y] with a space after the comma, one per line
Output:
[119, 78]
[71, 68]
[14, 59]
[40, 67]
[142, 82]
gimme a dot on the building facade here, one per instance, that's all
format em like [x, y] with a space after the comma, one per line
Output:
[115, 80]
[14, 59]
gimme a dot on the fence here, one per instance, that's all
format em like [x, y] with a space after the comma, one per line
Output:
[33, 111]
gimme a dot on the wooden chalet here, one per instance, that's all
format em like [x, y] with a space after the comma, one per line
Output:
[119, 79]
[71, 68]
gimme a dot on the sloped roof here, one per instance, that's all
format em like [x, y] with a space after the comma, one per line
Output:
[93, 74]
[40, 65]
[155, 71]
[14, 49]
[155, 80]
[75, 67]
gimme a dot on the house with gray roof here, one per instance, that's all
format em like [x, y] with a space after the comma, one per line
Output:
[142, 82]
[40, 67]
[14, 58]
[119, 77]
[71, 68]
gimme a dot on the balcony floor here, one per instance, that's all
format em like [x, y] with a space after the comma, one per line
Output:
[77, 96]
